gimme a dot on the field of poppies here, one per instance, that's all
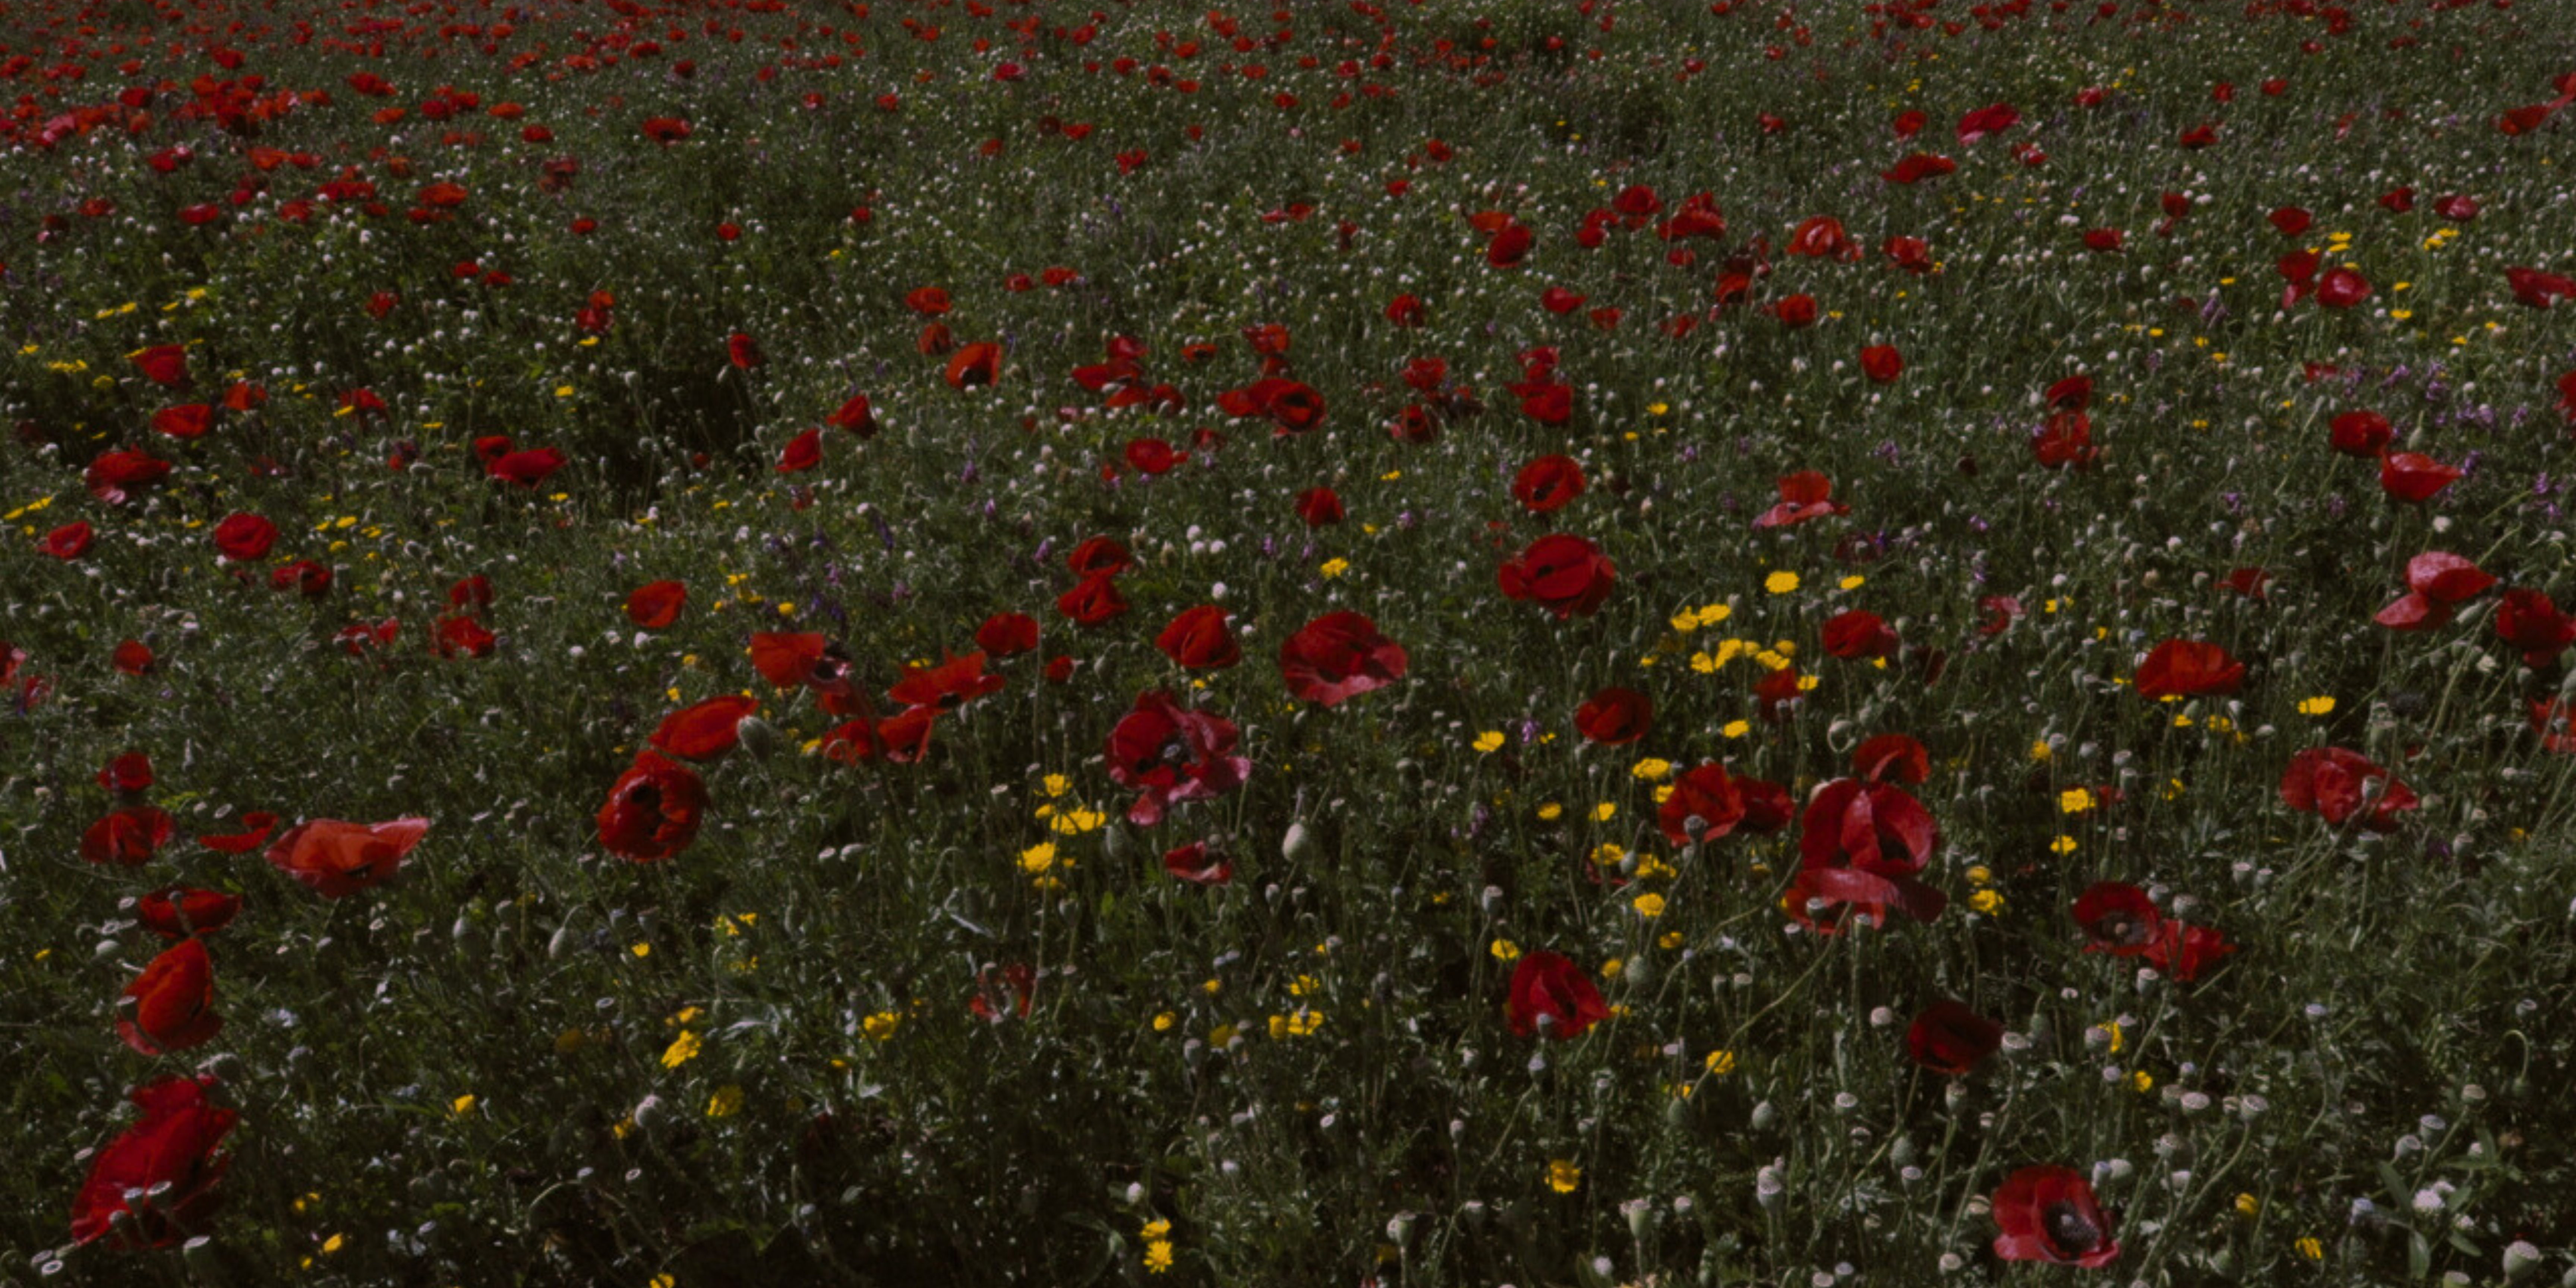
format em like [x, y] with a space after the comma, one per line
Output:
[1542, 642]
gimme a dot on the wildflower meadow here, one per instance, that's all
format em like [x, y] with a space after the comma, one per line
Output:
[1598, 643]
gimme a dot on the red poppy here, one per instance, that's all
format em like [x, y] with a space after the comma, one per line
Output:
[1509, 246]
[244, 537]
[1319, 506]
[115, 476]
[975, 366]
[787, 660]
[1776, 696]
[308, 577]
[2436, 583]
[1892, 757]
[2291, 220]
[953, 683]
[70, 541]
[1152, 456]
[1567, 575]
[2537, 289]
[665, 130]
[856, 416]
[1003, 992]
[256, 826]
[1560, 301]
[1987, 120]
[743, 351]
[935, 341]
[526, 469]
[655, 605]
[1917, 167]
[1706, 804]
[705, 730]
[1796, 312]
[1407, 311]
[1912, 254]
[2066, 440]
[131, 772]
[1858, 634]
[2049, 1214]
[1093, 602]
[1199, 640]
[2397, 201]
[190, 421]
[1882, 363]
[2103, 241]
[1552, 997]
[652, 811]
[158, 1174]
[176, 912]
[174, 1002]
[2248, 582]
[928, 301]
[1821, 237]
[1874, 827]
[335, 859]
[1099, 557]
[1548, 484]
[2183, 952]
[2188, 668]
[2342, 288]
[459, 635]
[1615, 716]
[1169, 754]
[2362, 433]
[2199, 136]
[356, 639]
[1950, 1038]
[2531, 624]
[2331, 783]
[2414, 477]
[1291, 407]
[1195, 864]
[1339, 656]
[803, 452]
[1804, 495]
[128, 837]
[131, 657]
[2118, 919]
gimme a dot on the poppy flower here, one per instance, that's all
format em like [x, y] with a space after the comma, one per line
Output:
[665, 130]
[743, 351]
[116, 476]
[1827, 900]
[935, 341]
[787, 659]
[2199, 136]
[953, 683]
[1002, 992]
[857, 416]
[127, 774]
[127, 837]
[1509, 245]
[1099, 557]
[190, 421]
[1195, 864]
[2188, 668]
[1892, 757]
[928, 301]
[1552, 997]
[308, 577]
[1548, 484]
[2066, 440]
[1291, 407]
[1804, 495]
[2183, 952]
[2049, 1214]
[1874, 827]
[131, 657]
[2529, 623]
[655, 605]
[1797, 312]
[1560, 301]
[652, 811]
[1407, 311]
[160, 1173]
[1882, 363]
[335, 859]
[1198, 640]
[1153, 456]
[176, 912]
[803, 452]
[174, 1002]
[1567, 575]
[2436, 583]
[2362, 433]
[2397, 201]
[163, 364]
[704, 730]
[1917, 167]
[1913, 254]
[1319, 506]
[2414, 477]
[459, 635]
[2103, 241]
[2291, 220]
[2118, 919]
[1776, 696]
[1857, 634]
[256, 826]
[1093, 602]
[1615, 717]
[1339, 656]
[2342, 288]
[1948, 1037]
[1169, 754]
[1987, 120]
[1820, 237]
[975, 366]
[2331, 782]
[1706, 803]
[2458, 208]
[526, 469]
[70, 541]
[244, 537]
[2537, 289]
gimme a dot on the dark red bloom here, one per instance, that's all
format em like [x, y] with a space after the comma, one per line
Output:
[305, 576]
[2049, 1214]
[1291, 407]
[2437, 582]
[256, 825]
[2342, 288]
[1099, 557]
[2532, 625]
[1882, 363]
[2412, 476]
[2331, 783]
[2118, 919]
[2188, 668]
[335, 859]
[1195, 864]
[1615, 717]
[704, 730]
[1319, 506]
[131, 658]
[128, 773]
[856, 416]
[1169, 754]
[128, 837]
[189, 421]
[1874, 827]
[1002, 992]
[2103, 241]
[160, 1172]
[1007, 634]
[244, 537]
[1407, 311]
[1153, 456]
[803, 452]
[1917, 167]
[1705, 804]
[655, 605]
[2074, 393]
[2362, 433]
[1552, 997]
[164, 364]
[1548, 483]
[1567, 575]
[115, 476]
[1198, 640]
[459, 635]
[2183, 952]
[653, 810]
[526, 469]
[953, 683]
[174, 1001]
[1339, 656]
[1804, 495]
[1093, 602]
[1859, 634]
[787, 659]
[2248, 582]
[2291, 220]
[2066, 440]
[1987, 120]
[176, 912]
[1950, 1038]
[2537, 289]
[743, 351]
[70, 541]
[975, 366]
[1892, 757]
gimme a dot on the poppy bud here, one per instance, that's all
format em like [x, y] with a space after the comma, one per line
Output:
[758, 736]
[649, 1113]
[1764, 1119]
[1297, 846]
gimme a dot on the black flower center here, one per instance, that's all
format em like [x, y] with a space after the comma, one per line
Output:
[2069, 1229]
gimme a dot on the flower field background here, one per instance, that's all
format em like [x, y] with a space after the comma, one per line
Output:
[1541, 643]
